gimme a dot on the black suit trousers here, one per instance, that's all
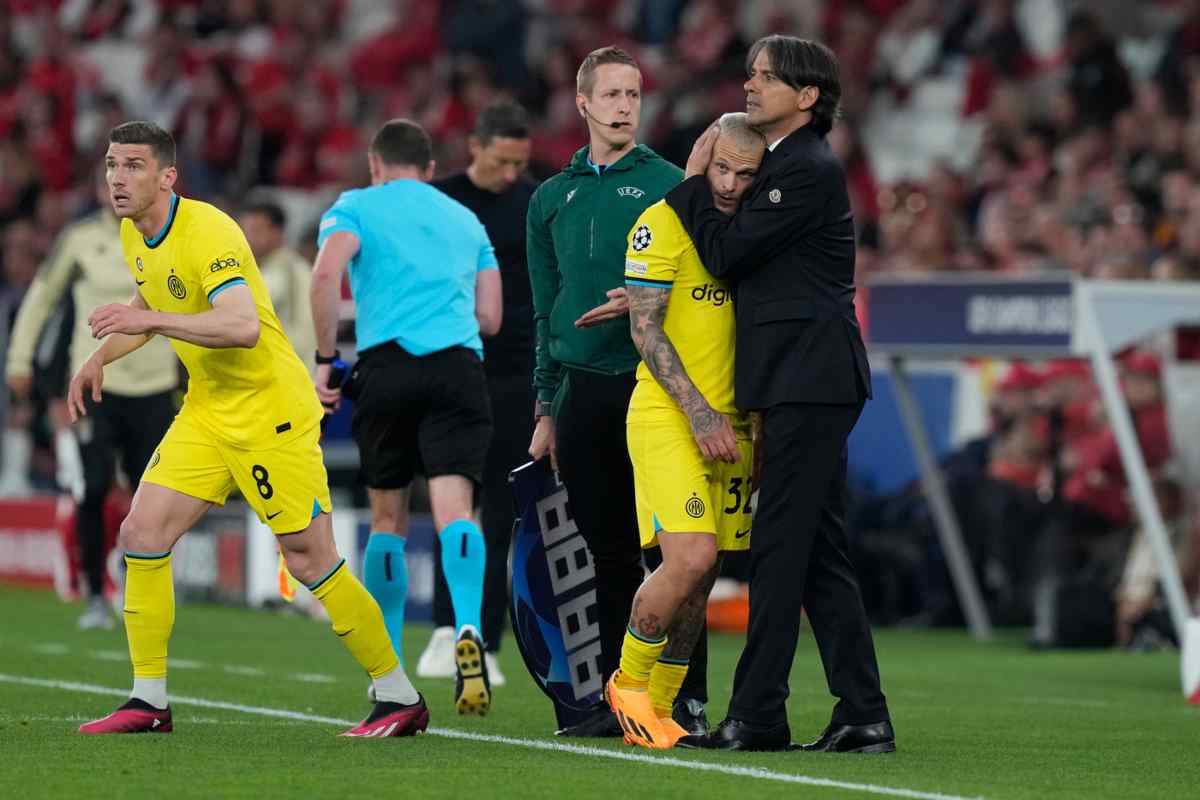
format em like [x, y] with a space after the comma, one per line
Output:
[800, 560]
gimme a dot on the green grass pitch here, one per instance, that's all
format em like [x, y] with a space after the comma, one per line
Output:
[994, 721]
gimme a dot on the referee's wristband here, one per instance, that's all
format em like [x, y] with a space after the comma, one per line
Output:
[330, 359]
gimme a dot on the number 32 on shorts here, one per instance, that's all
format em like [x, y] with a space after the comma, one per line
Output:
[737, 488]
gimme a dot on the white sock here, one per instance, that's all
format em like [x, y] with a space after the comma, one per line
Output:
[395, 687]
[150, 690]
[14, 466]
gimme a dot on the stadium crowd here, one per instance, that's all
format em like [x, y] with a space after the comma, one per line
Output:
[1002, 135]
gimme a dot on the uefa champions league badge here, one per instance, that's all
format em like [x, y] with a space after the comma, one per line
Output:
[641, 238]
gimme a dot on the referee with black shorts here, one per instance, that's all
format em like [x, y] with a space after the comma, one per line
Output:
[496, 188]
[426, 285]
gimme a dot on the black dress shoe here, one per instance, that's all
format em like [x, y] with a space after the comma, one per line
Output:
[689, 714]
[733, 734]
[601, 723]
[878, 737]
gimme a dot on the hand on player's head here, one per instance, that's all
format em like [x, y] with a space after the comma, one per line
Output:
[736, 154]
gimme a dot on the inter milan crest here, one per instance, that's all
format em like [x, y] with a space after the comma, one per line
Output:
[176, 288]
[694, 507]
[641, 238]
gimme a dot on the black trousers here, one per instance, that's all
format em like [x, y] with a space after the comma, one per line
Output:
[512, 414]
[593, 461]
[126, 427]
[799, 560]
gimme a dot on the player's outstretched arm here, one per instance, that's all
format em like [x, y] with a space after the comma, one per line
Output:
[232, 322]
[647, 311]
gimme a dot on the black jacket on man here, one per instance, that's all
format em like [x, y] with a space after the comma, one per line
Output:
[790, 254]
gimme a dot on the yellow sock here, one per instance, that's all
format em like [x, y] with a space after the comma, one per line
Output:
[149, 612]
[665, 679]
[637, 659]
[356, 620]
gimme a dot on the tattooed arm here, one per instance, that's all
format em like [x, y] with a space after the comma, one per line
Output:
[647, 311]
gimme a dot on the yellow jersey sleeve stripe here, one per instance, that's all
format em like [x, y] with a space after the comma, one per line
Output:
[223, 286]
[649, 282]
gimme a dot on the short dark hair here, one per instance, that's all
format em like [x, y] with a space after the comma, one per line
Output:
[403, 143]
[505, 120]
[269, 209]
[800, 63]
[585, 78]
[162, 144]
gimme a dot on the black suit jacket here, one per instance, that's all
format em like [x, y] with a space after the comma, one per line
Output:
[789, 255]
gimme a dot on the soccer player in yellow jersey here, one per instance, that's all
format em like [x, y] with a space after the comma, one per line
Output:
[249, 421]
[691, 449]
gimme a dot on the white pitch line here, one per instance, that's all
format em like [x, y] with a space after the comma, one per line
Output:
[51, 649]
[535, 744]
[250, 672]
[312, 677]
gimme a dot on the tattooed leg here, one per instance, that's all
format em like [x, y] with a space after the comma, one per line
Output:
[688, 561]
[684, 631]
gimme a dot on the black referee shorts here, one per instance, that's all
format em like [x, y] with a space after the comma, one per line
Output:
[429, 414]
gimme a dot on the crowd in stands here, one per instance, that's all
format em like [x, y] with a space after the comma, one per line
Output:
[1010, 136]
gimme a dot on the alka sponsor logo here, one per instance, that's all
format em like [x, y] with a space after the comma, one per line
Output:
[226, 261]
[631, 191]
[708, 293]
[570, 565]
[1021, 315]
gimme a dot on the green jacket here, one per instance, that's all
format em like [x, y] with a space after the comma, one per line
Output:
[576, 239]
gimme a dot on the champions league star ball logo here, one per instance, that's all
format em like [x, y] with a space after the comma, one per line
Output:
[641, 238]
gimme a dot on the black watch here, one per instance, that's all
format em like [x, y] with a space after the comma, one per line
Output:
[323, 360]
[542, 408]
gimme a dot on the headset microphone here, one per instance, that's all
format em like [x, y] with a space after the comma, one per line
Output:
[614, 125]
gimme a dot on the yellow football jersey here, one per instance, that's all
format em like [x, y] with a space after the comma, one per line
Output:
[699, 320]
[253, 398]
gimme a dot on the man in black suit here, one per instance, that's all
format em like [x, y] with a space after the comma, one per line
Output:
[800, 360]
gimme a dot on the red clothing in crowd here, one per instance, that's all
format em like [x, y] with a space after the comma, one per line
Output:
[1099, 481]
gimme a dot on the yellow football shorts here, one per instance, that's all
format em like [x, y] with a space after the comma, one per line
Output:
[678, 491]
[286, 486]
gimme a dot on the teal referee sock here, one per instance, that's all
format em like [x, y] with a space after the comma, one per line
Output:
[385, 574]
[464, 556]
